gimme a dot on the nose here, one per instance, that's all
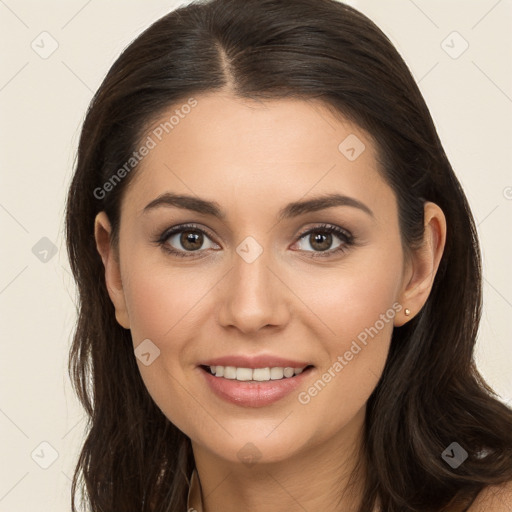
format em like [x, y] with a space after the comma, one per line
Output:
[253, 295]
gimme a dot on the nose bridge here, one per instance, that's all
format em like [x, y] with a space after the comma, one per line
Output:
[254, 297]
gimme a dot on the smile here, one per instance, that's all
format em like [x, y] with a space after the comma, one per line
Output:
[254, 387]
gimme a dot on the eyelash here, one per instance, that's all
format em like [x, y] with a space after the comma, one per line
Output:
[347, 238]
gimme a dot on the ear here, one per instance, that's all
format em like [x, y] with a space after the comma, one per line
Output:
[422, 264]
[102, 231]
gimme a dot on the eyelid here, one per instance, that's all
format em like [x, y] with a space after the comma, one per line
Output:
[183, 227]
[330, 228]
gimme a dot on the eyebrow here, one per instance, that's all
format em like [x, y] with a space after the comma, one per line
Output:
[291, 210]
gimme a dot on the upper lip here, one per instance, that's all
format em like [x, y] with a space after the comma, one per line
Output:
[261, 361]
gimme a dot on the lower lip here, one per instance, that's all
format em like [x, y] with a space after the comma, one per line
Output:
[254, 394]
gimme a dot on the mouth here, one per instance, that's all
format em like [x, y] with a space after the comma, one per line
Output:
[255, 375]
[257, 386]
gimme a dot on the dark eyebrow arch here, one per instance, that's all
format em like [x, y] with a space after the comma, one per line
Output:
[320, 203]
[289, 211]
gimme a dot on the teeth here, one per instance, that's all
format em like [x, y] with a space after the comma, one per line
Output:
[256, 374]
[287, 372]
[261, 374]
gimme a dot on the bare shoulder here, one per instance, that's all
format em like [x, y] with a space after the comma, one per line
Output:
[494, 498]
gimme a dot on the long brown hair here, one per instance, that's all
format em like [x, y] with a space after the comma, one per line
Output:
[430, 393]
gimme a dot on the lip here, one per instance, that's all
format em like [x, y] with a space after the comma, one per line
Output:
[260, 361]
[254, 394]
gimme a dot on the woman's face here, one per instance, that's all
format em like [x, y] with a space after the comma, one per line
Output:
[255, 276]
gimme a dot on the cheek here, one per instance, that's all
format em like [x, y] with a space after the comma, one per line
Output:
[163, 301]
[164, 306]
[351, 297]
[357, 305]
[161, 308]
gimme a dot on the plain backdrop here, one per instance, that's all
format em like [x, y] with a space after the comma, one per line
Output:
[55, 54]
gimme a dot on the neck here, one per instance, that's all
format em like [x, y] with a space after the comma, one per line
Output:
[316, 478]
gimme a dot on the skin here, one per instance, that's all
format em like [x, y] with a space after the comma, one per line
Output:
[253, 158]
[497, 498]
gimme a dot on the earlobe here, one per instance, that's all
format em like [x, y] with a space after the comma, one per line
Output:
[423, 264]
[102, 230]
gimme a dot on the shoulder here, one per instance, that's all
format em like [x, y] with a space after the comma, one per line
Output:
[494, 498]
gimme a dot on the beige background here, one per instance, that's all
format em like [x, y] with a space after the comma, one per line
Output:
[42, 104]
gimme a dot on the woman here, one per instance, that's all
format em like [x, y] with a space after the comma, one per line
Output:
[279, 277]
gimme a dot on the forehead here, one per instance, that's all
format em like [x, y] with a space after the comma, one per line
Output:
[244, 149]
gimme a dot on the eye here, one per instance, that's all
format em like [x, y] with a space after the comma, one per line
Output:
[184, 240]
[320, 238]
[187, 239]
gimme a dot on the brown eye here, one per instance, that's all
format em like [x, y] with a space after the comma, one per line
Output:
[191, 240]
[184, 240]
[319, 241]
[321, 238]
